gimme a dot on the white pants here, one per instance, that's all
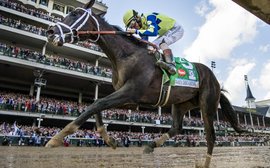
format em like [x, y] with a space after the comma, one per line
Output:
[171, 36]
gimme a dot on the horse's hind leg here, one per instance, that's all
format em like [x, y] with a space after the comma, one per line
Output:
[210, 136]
[208, 105]
[103, 132]
[178, 112]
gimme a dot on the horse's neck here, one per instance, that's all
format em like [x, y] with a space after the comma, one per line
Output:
[120, 55]
[115, 47]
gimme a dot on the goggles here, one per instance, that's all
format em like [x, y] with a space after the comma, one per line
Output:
[132, 23]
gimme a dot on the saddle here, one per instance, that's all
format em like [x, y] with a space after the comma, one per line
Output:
[186, 76]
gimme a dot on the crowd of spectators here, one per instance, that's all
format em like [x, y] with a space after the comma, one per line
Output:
[40, 136]
[24, 103]
[89, 45]
[137, 116]
[54, 60]
[30, 11]
[46, 105]
[18, 24]
[18, 6]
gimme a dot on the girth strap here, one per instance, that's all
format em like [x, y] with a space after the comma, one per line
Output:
[165, 91]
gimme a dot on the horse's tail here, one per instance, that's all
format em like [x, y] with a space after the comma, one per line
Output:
[229, 113]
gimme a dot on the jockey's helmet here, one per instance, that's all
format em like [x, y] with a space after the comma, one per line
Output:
[129, 16]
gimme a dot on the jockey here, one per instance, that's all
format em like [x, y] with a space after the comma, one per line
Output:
[156, 24]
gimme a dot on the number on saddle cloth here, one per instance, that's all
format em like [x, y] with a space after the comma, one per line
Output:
[186, 75]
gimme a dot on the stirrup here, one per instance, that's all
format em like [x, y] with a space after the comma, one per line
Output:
[167, 66]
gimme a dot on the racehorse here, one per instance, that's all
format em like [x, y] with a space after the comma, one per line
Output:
[137, 80]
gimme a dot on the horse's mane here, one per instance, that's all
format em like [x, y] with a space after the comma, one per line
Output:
[131, 38]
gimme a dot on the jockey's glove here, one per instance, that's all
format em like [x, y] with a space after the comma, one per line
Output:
[132, 31]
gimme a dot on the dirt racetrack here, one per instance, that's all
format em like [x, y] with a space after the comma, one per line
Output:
[104, 157]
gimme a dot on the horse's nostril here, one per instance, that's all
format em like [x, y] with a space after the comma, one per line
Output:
[50, 32]
[49, 36]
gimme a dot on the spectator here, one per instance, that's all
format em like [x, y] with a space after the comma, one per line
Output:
[126, 141]
[80, 143]
[66, 142]
[37, 140]
[5, 141]
[31, 140]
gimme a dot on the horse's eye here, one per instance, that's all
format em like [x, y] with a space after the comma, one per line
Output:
[73, 13]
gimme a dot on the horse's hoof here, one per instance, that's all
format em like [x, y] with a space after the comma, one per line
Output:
[148, 150]
[48, 145]
[199, 165]
[112, 143]
[53, 143]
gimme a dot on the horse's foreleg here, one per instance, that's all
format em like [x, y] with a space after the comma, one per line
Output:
[103, 132]
[117, 98]
[57, 140]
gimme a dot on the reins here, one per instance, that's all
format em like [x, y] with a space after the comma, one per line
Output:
[115, 33]
[103, 32]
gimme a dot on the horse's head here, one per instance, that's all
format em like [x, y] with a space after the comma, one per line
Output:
[81, 19]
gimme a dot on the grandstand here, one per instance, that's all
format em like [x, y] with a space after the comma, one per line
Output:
[48, 86]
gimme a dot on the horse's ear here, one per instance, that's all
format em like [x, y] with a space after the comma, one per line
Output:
[89, 4]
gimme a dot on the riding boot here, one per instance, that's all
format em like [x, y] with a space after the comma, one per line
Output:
[169, 63]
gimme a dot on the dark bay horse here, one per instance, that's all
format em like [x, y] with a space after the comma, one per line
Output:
[137, 80]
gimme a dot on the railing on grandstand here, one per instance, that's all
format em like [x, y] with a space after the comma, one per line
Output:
[92, 142]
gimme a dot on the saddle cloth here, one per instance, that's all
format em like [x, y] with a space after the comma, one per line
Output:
[186, 75]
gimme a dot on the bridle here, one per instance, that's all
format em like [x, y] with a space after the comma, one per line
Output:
[80, 22]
